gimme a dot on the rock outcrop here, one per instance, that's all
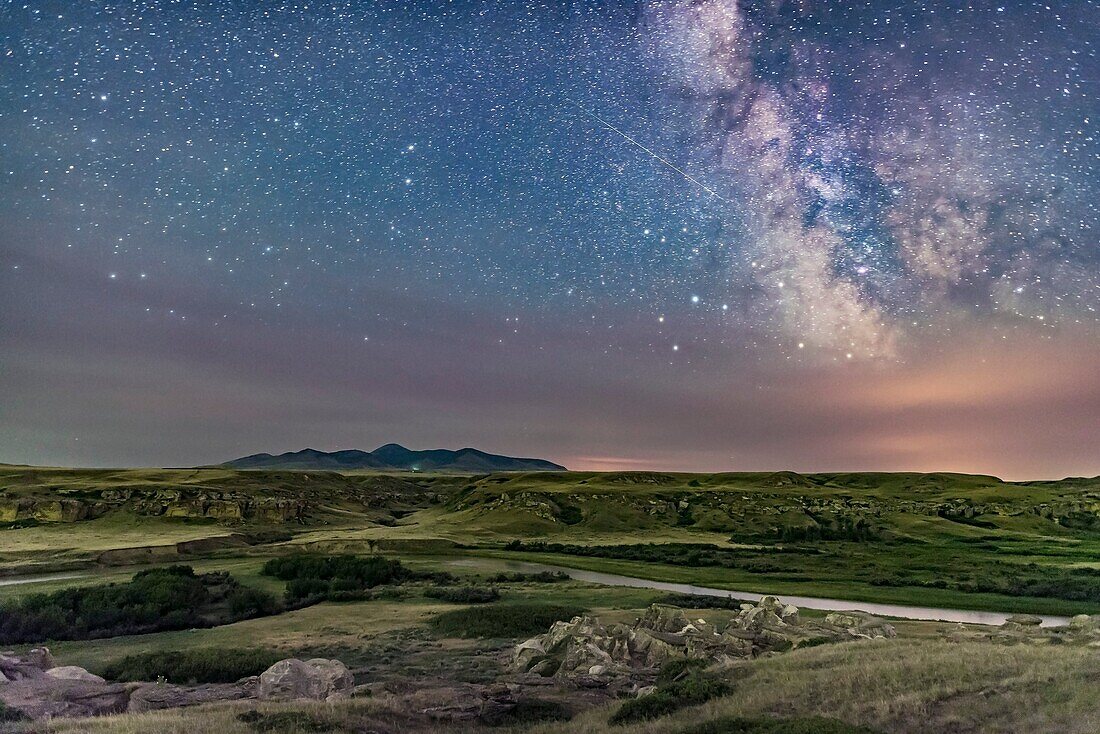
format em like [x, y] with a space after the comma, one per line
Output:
[315, 679]
[34, 686]
[73, 672]
[158, 696]
[587, 652]
[1027, 629]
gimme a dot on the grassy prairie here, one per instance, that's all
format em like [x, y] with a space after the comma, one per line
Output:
[930, 539]
[905, 686]
[915, 687]
[924, 539]
[343, 629]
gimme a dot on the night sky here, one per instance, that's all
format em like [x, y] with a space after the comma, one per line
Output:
[709, 235]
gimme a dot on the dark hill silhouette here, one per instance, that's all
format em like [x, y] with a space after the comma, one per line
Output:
[394, 456]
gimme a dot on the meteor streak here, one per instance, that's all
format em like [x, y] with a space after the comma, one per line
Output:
[665, 161]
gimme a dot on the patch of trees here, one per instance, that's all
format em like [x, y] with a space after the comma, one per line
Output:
[516, 619]
[155, 600]
[856, 530]
[678, 554]
[314, 578]
[463, 594]
[1032, 580]
[570, 514]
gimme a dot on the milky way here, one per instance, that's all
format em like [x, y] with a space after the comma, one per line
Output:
[883, 168]
[540, 225]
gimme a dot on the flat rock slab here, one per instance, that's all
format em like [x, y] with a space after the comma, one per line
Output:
[45, 696]
[159, 696]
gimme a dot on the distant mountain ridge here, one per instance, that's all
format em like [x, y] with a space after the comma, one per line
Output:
[396, 457]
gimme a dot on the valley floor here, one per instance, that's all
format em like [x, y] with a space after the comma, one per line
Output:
[967, 544]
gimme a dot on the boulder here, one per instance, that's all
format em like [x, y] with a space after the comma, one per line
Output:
[54, 697]
[1024, 620]
[1084, 622]
[15, 668]
[661, 618]
[315, 679]
[74, 672]
[861, 624]
[527, 653]
[40, 657]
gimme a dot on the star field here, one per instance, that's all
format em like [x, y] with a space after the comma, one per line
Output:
[678, 193]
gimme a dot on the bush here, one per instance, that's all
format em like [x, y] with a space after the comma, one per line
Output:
[247, 603]
[517, 619]
[154, 600]
[700, 601]
[842, 528]
[464, 594]
[526, 711]
[311, 578]
[368, 572]
[685, 684]
[677, 554]
[192, 666]
[570, 515]
[674, 670]
[810, 725]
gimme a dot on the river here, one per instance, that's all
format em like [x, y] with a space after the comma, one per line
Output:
[20, 580]
[898, 611]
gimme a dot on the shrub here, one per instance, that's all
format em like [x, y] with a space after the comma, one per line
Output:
[674, 670]
[810, 725]
[700, 601]
[247, 603]
[154, 600]
[464, 594]
[515, 619]
[653, 706]
[526, 711]
[368, 572]
[312, 578]
[678, 554]
[685, 684]
[192, 666]
[570, 515]
[842, 528]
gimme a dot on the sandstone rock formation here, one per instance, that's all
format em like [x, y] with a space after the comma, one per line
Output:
[587, 652]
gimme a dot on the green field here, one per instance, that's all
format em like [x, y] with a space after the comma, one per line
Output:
[938, 540]
[934, 539]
